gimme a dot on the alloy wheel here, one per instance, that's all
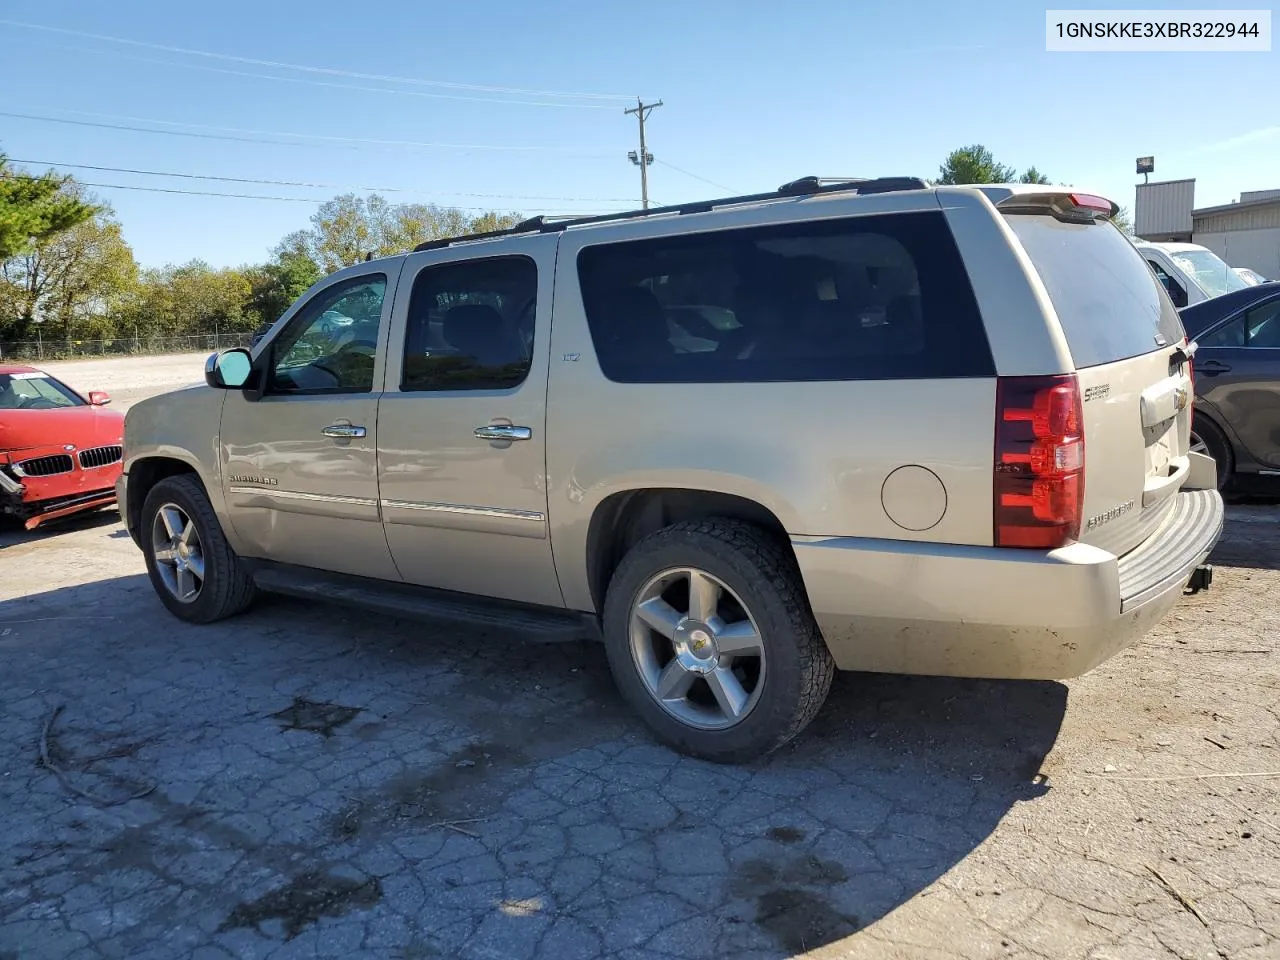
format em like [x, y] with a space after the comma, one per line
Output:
[697, 648]
[179, 555]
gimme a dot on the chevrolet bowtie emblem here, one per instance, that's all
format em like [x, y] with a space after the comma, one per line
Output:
[1180, 397]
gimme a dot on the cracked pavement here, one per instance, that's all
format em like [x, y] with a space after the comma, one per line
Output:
[319, 782]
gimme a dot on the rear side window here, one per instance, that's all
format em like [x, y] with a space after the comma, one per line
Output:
[882, 297]
[1110, 303]
[470, 325]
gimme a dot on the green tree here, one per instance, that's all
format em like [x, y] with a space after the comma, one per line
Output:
[1032, 175]
[76, 281]
[974, 164]
[349, 228]
[276, 285]
[193, 298]
[34, 208]
[1122, 220]
[494, 221]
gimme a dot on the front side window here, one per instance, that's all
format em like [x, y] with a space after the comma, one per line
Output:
[1258, 328]
[877, 297]
[1171, 286]
[331, 344]
[35, 391]
[1263, 325]
[470, 325]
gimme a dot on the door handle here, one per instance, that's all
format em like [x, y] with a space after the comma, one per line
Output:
[343, 431]
[503, 431]
[1212, 366]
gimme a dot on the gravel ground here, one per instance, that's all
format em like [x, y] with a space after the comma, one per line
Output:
[308, 781]
[132, 379]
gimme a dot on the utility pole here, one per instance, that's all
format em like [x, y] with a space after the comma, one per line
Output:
[643, 158]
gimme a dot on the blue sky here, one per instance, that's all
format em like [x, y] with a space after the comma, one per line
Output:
[755, 94]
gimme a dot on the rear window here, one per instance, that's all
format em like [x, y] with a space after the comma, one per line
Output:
[1110, 304]
[878, 297]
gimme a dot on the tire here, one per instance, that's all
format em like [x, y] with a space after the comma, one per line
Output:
[761, 601]
[225, 588]
[1206, 435]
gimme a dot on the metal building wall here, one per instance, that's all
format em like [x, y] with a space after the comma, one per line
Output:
[1162, 211]
[1256, 249]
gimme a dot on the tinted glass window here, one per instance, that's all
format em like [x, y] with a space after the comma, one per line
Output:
[869, 298]
[1172, 287]
[1264, 325]
[1228, 335]
[331, 343]
[471, 325]
[1110, 304]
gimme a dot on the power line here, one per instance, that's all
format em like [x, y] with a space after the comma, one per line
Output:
[202, 193]
[262, 136]
[483, 88]
[307, 81]
[195, 193]
[718, 186]
[300, 183]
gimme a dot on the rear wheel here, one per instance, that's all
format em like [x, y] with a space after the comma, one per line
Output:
[193, 569]
[1206, 438]
[711, 640]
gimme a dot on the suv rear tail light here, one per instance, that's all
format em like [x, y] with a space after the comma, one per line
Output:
[1087, 201]
[1039, 461]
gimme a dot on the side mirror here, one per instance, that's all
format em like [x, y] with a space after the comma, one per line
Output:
[228, 370]
[98, 399]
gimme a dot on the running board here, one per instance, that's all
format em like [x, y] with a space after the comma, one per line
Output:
[531, 623]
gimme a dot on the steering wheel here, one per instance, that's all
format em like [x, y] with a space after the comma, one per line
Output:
[37, 403]
[356, 348]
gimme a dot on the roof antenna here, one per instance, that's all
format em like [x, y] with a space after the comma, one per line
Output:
[368, 256]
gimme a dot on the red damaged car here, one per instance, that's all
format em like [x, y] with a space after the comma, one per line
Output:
[59, 451]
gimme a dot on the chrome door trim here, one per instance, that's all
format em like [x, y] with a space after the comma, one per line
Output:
[500, 513]
[299, 495]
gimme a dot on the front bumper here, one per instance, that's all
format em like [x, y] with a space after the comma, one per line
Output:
[39, 499]
[122, 504]
[942, 610]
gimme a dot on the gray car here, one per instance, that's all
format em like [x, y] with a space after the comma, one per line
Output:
[1237, 380]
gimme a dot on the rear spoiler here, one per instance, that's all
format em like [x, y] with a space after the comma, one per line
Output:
[1068, 207]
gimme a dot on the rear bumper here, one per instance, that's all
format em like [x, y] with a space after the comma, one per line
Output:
[936, 609]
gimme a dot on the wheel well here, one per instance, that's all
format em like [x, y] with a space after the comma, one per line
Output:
[145, 474]
[624, 519]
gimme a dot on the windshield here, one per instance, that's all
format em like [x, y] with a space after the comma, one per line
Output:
[1209, 271]
[35, 391]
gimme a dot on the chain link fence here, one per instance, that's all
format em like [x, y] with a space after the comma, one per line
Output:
[119, 347]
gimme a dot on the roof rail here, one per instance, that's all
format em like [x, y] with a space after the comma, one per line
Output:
[803, 187]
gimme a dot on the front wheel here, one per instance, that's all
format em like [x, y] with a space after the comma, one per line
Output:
[193, 569]
[711, 640]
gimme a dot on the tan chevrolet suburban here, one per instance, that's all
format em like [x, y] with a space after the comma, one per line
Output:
[865, 425]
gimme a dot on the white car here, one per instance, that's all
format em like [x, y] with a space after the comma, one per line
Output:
[1251, 277]
[1189, 272]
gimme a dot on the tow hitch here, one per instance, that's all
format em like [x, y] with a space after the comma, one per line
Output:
[1201, 578]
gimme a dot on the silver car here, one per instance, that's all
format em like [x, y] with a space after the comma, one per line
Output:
[869, 425]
